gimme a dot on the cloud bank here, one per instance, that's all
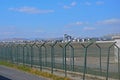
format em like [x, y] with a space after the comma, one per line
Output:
[31, 10]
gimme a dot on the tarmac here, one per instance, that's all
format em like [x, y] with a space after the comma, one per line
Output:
[7, 73]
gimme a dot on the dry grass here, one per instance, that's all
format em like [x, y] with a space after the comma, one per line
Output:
[33, 71]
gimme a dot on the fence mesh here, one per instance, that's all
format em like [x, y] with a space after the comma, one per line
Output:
[79, 61]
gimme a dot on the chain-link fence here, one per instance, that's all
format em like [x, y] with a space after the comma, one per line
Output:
[79, 61]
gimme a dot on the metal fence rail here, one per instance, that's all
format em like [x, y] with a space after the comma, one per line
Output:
[82, 59]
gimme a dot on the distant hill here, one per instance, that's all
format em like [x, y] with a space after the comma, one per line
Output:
[14, 39]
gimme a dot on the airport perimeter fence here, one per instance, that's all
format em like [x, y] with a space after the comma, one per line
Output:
[83, 60]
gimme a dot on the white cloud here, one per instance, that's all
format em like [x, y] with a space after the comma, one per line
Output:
[38, 31]
[96, 3]
[89, 28]
[78, 23]
[73, 4]
[7, 33]
[109, 22]
[31, 10]
[88, 3]
[70, 5]
[66, 7]
[99, 3]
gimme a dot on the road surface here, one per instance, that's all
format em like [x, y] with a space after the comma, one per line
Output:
[13, 74]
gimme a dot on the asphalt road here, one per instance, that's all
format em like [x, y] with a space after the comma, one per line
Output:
[13, 74]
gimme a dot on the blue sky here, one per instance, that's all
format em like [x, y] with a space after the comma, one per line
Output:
[53, 18]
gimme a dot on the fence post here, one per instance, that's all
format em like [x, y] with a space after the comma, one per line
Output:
[119, 63]
[85, 59]
[23, 54]
[108, 59]
[24, 45]
[52, 56]
[65, 57]
[72, 57]
[45, 56]
[0, 52]
[11, 56]
[28, 55]
[17, 53]
[6, 52]
[100, 58]
[40, 55]
[13, 52]
[3, 51]
[118, 60]
[31, 46]
[62, 56]
[2, 56]
[117, 40]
